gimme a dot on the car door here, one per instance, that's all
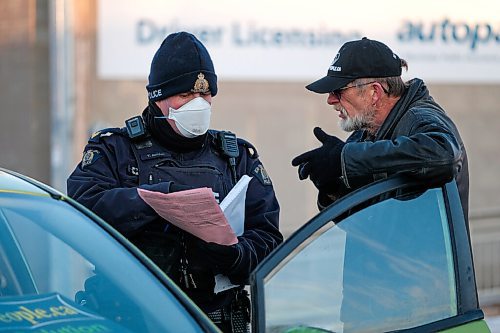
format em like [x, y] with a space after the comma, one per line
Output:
[392, 256]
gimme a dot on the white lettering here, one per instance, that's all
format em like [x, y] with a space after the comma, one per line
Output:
[155, 93]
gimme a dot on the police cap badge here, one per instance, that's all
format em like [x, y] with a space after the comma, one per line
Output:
[201, 85]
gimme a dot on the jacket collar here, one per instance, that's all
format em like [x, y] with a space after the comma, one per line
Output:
[415, 91]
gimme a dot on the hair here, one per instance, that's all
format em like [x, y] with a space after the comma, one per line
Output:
[394, 85]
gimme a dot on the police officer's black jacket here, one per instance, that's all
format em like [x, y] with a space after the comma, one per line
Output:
[114, 166]
[417, 138]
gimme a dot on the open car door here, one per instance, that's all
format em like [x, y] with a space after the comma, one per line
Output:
[392, 256]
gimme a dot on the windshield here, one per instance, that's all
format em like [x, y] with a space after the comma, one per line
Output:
[50, 252]
[386, 267]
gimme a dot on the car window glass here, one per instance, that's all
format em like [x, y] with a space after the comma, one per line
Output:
[386, 267]
[71, 263]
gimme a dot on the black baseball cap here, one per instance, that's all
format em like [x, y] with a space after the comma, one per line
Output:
[357, 59]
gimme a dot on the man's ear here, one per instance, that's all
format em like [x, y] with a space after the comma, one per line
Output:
[377, 92]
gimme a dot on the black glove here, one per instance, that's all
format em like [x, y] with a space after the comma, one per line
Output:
[174, 187]
[104, 297]
[222, 257]
[322, 165]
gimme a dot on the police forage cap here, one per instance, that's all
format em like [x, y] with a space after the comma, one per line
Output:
[357, 59]
[176, 65]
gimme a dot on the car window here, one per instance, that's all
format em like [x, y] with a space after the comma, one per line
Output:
[385, 267]
[53, 257]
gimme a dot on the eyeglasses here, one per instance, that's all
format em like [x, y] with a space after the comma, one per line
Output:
[338, 92]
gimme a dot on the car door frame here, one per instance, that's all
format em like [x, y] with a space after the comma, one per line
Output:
[467, 302]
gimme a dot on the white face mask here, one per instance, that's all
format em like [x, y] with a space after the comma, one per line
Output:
[193, 118]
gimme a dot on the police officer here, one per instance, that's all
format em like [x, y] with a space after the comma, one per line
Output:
[170, 149]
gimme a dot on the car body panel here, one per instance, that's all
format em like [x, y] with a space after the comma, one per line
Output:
[478, 326]
[14, 184]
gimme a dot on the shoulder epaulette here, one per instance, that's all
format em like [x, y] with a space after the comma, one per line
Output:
[97, 136]
[249, 147]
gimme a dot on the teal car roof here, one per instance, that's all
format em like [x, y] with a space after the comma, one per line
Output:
[13, 184]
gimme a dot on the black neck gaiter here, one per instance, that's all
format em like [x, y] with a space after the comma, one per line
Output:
[161, 130]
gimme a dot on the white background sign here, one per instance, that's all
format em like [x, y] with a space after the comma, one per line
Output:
[278, 40]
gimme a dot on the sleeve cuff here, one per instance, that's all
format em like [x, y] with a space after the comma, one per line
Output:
[163, 187]
[342, 165]
[324, 200]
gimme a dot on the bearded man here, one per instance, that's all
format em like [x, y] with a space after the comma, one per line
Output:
[397, 127]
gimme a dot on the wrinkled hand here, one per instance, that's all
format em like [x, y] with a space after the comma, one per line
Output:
[322, 165]
[223, 257]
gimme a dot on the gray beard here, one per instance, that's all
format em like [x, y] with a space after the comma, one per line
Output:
[363, 121]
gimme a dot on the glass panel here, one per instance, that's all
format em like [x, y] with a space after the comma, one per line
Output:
[75, 265]
[386, 267]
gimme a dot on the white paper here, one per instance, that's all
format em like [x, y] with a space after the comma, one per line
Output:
[233, 207]
[222, 283]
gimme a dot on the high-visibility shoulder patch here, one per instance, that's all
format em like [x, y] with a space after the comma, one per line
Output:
[261, 174]
[90, 156]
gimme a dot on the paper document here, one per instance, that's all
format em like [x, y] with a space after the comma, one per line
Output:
[197, 212]
[233, 205]
[194, 211]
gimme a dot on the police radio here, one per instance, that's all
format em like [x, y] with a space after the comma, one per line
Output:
[228, 145]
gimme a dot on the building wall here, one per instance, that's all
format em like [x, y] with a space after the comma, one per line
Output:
[25, 88]
[278, 117]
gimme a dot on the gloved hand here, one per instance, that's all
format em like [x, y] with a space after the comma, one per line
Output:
[222, 257]
[104, 297]
[322, 165]
[174, 187]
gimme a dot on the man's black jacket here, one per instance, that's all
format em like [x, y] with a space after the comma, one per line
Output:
[417, 138]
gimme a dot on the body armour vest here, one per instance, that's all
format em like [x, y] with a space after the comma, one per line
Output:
[169, 247]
